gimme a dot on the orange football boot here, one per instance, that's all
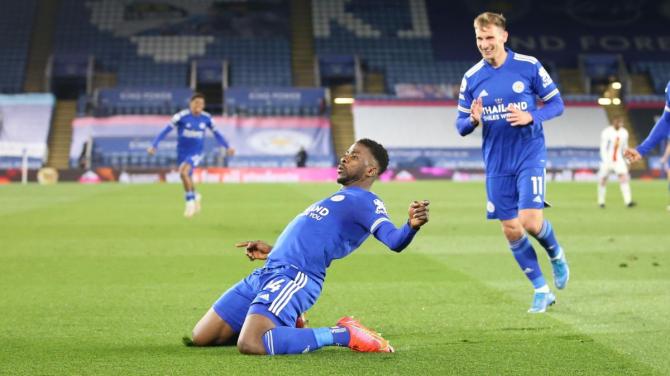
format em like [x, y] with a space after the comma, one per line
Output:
[363, 339]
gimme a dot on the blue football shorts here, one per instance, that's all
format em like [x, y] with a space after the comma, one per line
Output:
[508, 194]
[192, 159]
[280, 293]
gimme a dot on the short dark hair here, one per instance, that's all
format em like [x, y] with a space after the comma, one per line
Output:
[197, 95]
[378, 152]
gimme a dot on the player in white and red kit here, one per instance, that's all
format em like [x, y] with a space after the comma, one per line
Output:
[613, 144]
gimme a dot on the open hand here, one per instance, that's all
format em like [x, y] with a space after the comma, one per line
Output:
[151, 150]
[476, 110]
[516, 117]
[230, 152]
[418, 213]
[255, 249]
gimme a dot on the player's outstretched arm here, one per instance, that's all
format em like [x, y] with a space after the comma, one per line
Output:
[660, 132]
[154, 144]
[398, 239]
[255, 249]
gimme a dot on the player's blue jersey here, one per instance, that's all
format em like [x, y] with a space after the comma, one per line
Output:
[327, 230]
[191, 131]
[518, 81]
[667, 98]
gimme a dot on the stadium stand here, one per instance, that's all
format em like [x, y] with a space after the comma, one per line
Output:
[659, 71]
[644, 111]
[392, 37]
[16, 20]
[153, 45]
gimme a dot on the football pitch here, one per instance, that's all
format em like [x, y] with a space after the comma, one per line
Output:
[107, 279]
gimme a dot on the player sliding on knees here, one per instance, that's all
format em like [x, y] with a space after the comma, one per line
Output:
[499, 94]
[261, 310]
[191, 125]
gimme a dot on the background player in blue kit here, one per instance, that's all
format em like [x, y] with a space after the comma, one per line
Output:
[499, 93]
[191, 125]
[262, 308]
[661, 131]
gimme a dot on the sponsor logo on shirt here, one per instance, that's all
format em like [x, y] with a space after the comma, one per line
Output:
[546, 78]
[317, 212]
[192, 134]
[381, 209]
[500, 110]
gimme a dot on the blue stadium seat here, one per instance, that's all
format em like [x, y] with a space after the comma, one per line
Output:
[659, 72]
[16, 20]
[160, 57]
[381, 43]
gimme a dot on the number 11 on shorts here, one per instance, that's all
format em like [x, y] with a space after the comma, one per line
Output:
[538, 184]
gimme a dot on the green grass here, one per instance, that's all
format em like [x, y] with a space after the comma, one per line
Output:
[106, 279]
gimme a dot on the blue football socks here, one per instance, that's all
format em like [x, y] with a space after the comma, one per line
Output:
[190, 196]
[548, 240]
[287, 340]
[527, 259]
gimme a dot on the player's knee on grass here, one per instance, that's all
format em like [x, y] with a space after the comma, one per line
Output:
[211, 330]
[249, 345]
[250, 341]
[201, 337]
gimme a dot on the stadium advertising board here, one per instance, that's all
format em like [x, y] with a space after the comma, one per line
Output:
[274, 97]
[268, 141]
[142, 97]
